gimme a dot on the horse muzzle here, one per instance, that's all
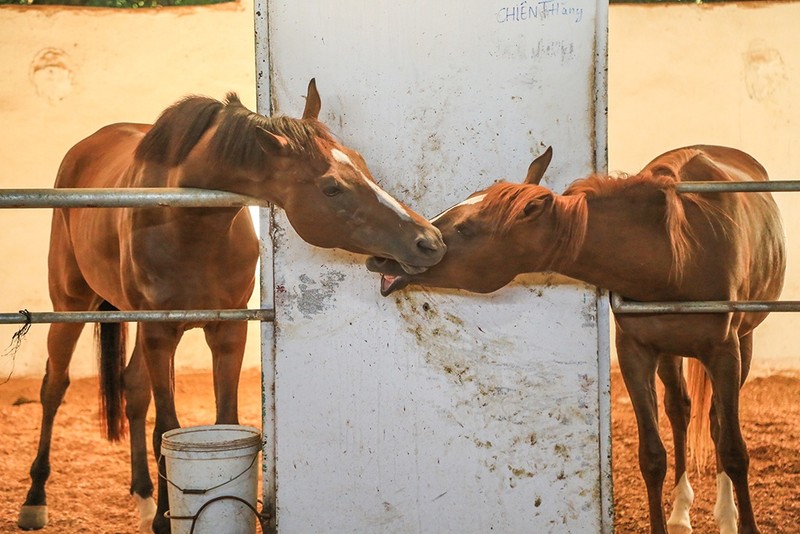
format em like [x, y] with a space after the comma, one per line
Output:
[394, 275]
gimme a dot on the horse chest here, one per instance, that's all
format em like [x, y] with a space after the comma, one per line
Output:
[145, 261]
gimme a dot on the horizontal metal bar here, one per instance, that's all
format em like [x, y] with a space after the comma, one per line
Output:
[265, 315]
[620, 305]
[176, 197]
[737, 187]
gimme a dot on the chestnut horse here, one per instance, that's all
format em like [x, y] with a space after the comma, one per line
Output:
[196, 258]
[641, 239]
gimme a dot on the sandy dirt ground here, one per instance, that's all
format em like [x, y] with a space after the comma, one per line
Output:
[88, 488]
[770, 418]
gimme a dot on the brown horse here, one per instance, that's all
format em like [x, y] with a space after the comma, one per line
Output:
[639, 238]
[196, 258]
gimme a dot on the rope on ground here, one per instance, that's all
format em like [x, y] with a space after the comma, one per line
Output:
[16, 342]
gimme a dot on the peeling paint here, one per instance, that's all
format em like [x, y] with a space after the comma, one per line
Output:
[313, 297]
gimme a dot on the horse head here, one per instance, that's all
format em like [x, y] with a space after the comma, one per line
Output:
[332, 200]
[489, 238]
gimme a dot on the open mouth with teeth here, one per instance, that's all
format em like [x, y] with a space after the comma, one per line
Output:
[394, 275]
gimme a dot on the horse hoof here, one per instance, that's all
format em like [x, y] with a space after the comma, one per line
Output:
[679, 529]
[32, 517]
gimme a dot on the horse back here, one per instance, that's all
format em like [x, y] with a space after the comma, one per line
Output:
[708, 163]
[735, 165]
[102, 159]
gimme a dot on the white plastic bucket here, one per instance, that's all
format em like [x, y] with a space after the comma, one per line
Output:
[204, 463]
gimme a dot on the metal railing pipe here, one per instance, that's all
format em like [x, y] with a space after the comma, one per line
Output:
[25, 317]
[738, 187]
[620, 305]
[176, 197]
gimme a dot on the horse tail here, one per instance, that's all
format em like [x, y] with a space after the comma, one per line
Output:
[699, 440]
[110, 338]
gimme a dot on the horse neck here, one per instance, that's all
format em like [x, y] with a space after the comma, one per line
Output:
[205, 222]
[261, 184]
[202, 170]
[626, 248]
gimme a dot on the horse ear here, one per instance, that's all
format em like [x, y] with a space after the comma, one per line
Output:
[537, 206]
[537, 168]
[313, 103]
[270, 142]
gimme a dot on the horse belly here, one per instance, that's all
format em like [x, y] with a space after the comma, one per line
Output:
[94, 243]
[682, 335]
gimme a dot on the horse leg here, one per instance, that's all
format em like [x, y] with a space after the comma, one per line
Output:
[727, 371]
[678, 408]
[227, 341]
[638, 367]
[157, 342]
[137, 396]
[61, 340]
[726, 515]
[746, 353]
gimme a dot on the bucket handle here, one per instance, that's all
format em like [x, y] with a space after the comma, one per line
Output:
[190, 491]
[261, 517]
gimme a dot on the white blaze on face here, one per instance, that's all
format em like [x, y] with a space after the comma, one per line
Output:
[383, 197]
[341, 157]
[472, 200]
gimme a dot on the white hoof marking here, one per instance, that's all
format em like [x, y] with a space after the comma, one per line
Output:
[147, 511]
[683, 497]
[725, 511]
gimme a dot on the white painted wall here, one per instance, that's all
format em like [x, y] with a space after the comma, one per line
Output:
[437, 411]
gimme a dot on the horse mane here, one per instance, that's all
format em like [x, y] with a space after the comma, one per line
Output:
[661, 178]
[180, 127]
[507, 202]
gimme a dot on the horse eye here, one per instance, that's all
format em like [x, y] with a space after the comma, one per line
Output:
[329, 186]
[465, 229]
[331, 190]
